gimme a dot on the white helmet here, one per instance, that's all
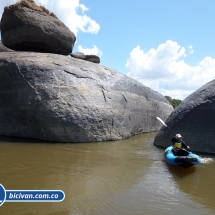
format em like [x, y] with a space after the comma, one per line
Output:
[178, 136]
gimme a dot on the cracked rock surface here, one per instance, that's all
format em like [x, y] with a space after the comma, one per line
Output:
[57, 98]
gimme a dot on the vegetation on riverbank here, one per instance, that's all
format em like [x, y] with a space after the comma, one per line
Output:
[173, 102]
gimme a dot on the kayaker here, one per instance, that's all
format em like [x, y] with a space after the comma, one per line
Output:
[179, 145]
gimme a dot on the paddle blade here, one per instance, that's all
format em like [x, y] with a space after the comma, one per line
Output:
[161, 121]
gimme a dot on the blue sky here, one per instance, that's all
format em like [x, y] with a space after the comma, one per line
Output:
[167, 45]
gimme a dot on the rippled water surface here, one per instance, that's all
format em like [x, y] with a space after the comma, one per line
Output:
[121, 177]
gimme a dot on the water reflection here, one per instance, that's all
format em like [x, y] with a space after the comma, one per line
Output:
[120, 177]
[198, 183]
[180, 172]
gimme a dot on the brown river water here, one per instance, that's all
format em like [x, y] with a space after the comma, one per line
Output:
[120, 177]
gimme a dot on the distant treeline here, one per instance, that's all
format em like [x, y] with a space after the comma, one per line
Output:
[173, 102]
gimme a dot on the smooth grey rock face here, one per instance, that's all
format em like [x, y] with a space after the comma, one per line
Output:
[24, 29]
[57, 98]
[194, 119]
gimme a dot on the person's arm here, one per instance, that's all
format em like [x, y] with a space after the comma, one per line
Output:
[185, 146]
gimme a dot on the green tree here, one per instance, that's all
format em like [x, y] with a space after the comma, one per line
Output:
[173, 102]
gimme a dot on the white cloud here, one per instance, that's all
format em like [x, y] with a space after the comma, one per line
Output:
[84, 8]
[92, 51]
[70, 12]
[164, 70]
[191, 49]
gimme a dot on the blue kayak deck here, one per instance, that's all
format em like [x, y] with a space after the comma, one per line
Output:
[185, 161]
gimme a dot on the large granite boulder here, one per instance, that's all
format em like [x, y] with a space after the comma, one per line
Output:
[58, 98]
[194, 118]
[28, 27]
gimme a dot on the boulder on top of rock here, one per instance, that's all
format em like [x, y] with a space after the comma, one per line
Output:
[92, 58]
[3, 48]
[26, 26]
[58, 98]
[81, 55]
[194, 119]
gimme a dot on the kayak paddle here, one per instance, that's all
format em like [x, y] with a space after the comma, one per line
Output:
[170, 130]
